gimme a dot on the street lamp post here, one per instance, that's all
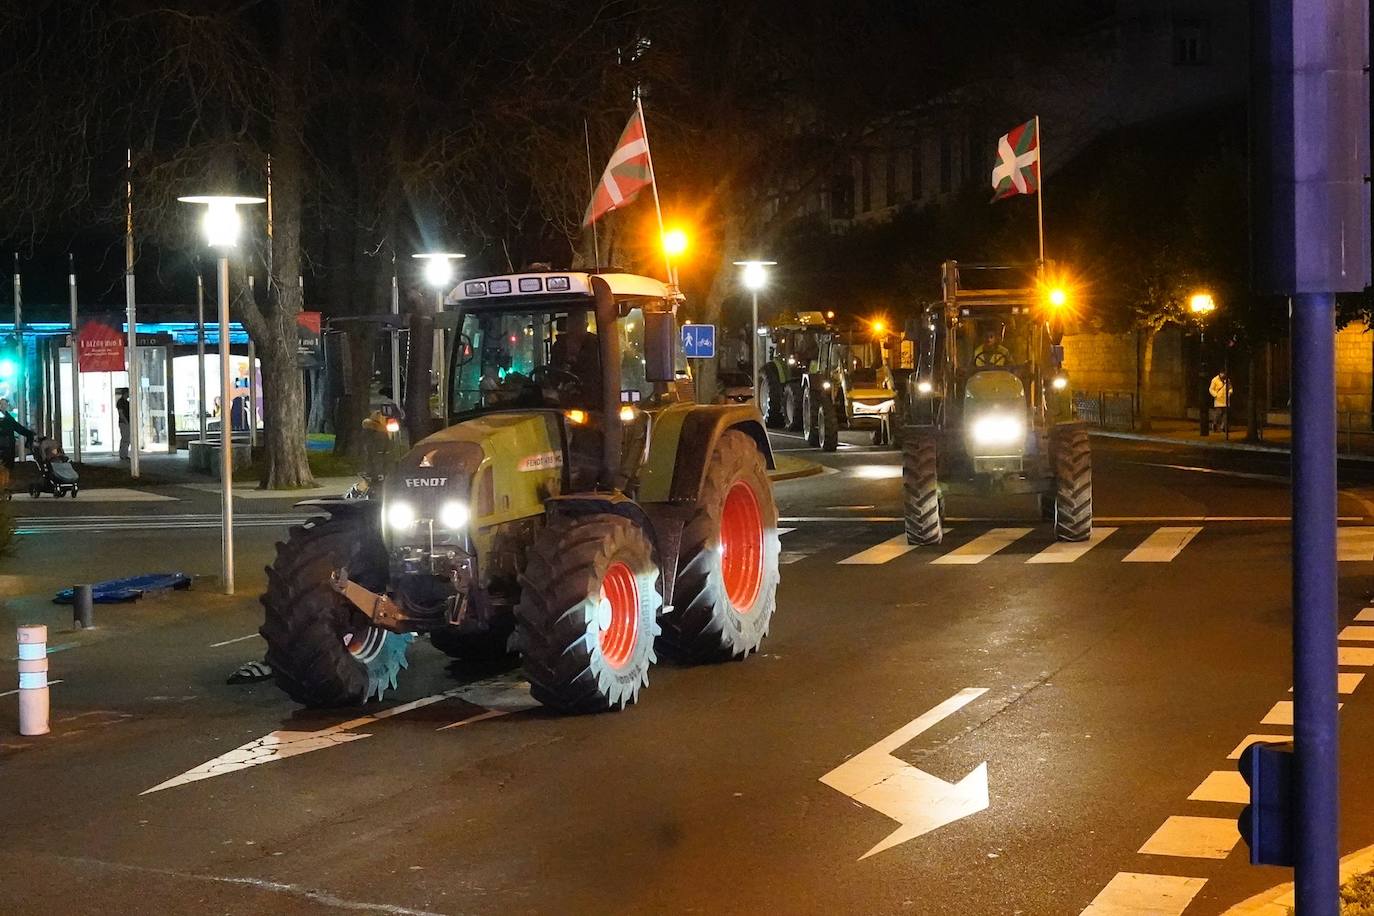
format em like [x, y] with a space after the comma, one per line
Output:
[1202, 305]
[221, 224]
[754, 273]
[439, 274]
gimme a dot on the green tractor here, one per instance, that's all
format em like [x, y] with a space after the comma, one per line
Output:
[988, 405]
[576, 511]
[793, 343]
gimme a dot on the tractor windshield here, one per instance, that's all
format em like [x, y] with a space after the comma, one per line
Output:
[995, 341]
[509, 359]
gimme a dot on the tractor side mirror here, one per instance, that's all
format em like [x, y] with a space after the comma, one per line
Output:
[660, 339]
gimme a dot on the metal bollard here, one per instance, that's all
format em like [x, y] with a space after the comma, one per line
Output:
[33, 680]
[83, 609]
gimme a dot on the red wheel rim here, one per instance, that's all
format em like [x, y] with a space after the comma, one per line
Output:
[618, 615]
[741, 546]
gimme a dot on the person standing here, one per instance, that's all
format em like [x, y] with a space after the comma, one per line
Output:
[1220, 389]
[122, 413]
[9, 428]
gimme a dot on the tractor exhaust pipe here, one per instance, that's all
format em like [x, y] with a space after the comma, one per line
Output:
[608, 338]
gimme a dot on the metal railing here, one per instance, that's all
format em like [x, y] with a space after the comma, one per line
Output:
[1106, 409]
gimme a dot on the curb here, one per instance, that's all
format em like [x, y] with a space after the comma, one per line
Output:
[808, 469]
[1217, 446]
[1278, 901]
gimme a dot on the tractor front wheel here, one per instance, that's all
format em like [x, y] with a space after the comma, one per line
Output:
[727, 577]
[324, 651]
[771, 398]
[921, 489]
[590, 598]
[792, 406]
[811, 430]
[1073, 484]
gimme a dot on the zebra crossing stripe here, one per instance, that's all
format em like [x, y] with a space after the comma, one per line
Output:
[982, 547]
[1068, 551]
[1354, 544]
[1162, 545]
[1137, 894]
[878, 554]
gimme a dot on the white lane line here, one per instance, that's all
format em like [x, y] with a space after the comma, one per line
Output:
[1346, 682]
[1135, 894]
[1281, 713]
[1248, 475]
[10, 693]
[216, 645]
[1355, 656]
[982, 547]
[1162, 545]
[782, 531]
[1366, 615]
[1358, 634]
[1354, 544]
[1257, 739]
[878, 554]
[1193, 837]
[1222, 786]
[1068, 551]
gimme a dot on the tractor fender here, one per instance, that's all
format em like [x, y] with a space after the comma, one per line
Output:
[337, 505]
[661, 521]
[697, 439]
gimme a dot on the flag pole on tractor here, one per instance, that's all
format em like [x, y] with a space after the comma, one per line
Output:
[1018, 171]
[629, 171]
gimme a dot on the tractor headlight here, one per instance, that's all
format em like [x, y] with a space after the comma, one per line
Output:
[825, 386]
[924, 386]
[401, 515]
[998, 429]
[454, 514]
[1060, 382]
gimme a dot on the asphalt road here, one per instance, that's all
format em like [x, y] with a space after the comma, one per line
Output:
[1095, 690]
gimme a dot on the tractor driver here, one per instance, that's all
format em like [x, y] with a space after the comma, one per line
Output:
[577, 354]
[991, 352]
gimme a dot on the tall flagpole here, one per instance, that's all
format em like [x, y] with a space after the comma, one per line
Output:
[135, 388]
[653, 180]
[591, 188]
[1040, 189]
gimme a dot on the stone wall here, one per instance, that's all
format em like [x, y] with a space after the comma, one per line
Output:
[1354, 365]
[1109, 363]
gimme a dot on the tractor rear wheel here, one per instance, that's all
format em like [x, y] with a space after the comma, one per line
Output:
[324, 651]
[921, 505]
[590, 597]
[727, 577]
[1073, 484]
[811, 430]
[771, 398]
[792, 406]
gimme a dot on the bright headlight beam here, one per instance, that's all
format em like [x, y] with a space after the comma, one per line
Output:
[998, 429]
[400, 515]
[454, 514]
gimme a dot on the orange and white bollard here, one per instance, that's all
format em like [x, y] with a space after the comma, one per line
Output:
[33, 680]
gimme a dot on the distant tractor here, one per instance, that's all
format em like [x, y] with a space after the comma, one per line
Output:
[577, 511]
[792, 346]
[989, 410]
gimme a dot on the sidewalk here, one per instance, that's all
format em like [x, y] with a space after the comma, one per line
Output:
[1355, 446]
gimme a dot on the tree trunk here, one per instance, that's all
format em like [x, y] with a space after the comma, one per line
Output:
[1146, 382]
[284, 413]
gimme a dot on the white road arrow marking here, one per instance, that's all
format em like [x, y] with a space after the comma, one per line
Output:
[503, 695]
[913, 798]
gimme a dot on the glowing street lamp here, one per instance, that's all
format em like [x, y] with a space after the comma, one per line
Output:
[221, 225]
[1201, 304]
[438, 271]
[754, 273]
[1058, 297]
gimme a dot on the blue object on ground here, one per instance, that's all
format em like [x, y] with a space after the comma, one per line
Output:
[130, 588]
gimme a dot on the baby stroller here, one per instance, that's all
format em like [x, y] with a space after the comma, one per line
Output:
[55, 472]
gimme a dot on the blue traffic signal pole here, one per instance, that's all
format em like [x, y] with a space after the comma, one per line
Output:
[1315, 789]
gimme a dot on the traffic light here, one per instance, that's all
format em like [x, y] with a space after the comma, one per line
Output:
[1266, 824]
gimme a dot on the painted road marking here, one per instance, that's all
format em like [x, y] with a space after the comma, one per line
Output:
[1359, 634]
[1346, 682]
[279, 745]
[1366, 615]
[1257, 739]
[1281, 713]
[885, 552]
[1354, 544]
[917, 800]
[10, 693]
[1193, 837]
[1134, 894]
[1068, 551]
[1355, 656]
[1163, 545]
[216, 645]
[1222, 786]
[983, 546]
